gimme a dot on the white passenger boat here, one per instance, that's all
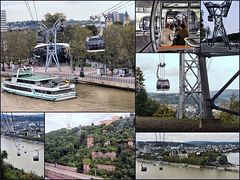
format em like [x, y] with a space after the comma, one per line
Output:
[25, 82]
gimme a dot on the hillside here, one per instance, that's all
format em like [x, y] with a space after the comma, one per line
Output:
[199, 143]
[109, 146]
[172, 98]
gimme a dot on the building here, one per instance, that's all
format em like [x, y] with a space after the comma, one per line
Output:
[126, 19]
[90, 141]
[114, 17]
[109, 121]
[4, 26]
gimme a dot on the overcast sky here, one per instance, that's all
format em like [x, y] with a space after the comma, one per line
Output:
[185, 137]
[224, 67]
[231, 22]
[78, 10]
[54, 121]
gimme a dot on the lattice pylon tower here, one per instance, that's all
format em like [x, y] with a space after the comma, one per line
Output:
[190, 93]
[51, 40]
[217, 13]
[52, 50]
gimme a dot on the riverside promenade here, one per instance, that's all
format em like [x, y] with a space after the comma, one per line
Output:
[90, 77]
[55, 171]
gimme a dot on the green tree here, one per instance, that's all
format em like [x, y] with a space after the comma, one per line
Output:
[223, 160]
[233, 105]
[141, 94]
[50, 19]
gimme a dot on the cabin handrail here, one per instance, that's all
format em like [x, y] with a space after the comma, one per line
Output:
[24, 70]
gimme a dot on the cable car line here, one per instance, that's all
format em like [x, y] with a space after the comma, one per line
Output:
[110, 8]
[118, 8]
[35, 10]
[114, 8]
[126, 6]
[29, 9]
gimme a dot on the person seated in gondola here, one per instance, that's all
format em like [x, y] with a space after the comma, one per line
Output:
[181, 34]
[166, 36]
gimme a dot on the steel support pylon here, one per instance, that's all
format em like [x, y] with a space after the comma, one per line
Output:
[51, 41]
[52, 51]
[219, 29]
[190, 90]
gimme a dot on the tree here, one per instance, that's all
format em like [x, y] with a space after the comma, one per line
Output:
[234, 106]
[77, 38]
[87, 161]
[17, 46]
[113, 47]
[141, 94]
[50, 19]
[223, 160]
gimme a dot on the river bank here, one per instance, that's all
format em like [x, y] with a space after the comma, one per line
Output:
[23, 139]
[91, 77]
[223, 168]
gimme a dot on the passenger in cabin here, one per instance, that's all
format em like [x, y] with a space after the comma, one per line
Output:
[172, 27]
[181, 34]
[166, 36]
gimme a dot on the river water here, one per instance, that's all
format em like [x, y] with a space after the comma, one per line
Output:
[89, 98]
[176, 172]
[233, 158]
[25, 160]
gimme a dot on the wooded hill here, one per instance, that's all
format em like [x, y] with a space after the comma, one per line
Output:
[69, 147]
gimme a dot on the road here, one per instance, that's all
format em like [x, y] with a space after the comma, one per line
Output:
[56, 173]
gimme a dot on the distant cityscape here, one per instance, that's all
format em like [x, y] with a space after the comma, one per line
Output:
[184, 149]
[110, 19]
[171, 99]
[23, 126]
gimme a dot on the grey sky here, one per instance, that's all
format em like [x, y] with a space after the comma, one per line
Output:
[184, 137]
[54, 121]
[221, 69]
[231, 22]
[78, 10]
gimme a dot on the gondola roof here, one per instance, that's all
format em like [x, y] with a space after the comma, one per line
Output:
[58, 44]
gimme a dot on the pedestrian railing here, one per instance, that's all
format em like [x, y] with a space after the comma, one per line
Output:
[93, 77]
[111, 79]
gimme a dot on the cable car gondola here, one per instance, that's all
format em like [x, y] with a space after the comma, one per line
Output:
[163, 85]
[96, 43]
[18, 152]
[143, 168]
[36, 157]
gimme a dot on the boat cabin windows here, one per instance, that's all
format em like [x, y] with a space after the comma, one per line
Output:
[42, 91]
[25, 81]
[18, 88]
[54, 92]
